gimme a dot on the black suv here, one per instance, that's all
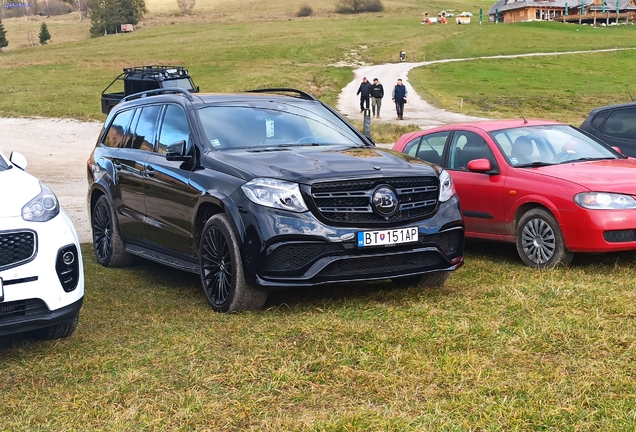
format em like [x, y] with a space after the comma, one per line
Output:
[265, 190]
[615, 125]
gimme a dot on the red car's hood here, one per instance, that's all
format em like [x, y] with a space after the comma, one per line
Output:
[612, 175]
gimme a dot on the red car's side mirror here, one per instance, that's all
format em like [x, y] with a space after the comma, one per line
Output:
[618, 149]
[479, 165]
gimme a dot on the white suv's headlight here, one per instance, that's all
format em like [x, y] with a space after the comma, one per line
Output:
[275, 193]
[446, 186]
[42, 208]
[604, 201]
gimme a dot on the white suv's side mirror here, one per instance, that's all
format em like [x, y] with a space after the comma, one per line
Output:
[18, 160]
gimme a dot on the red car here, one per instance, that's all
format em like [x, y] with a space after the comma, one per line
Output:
[548, 187]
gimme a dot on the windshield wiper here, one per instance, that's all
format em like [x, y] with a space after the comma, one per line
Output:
[534, 164]
[585, 159]
[299, 145]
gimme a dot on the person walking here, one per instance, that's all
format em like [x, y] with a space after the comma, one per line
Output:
[364, 92]
[377, 93]
[399, 96]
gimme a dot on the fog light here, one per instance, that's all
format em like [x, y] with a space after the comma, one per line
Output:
[68, 258]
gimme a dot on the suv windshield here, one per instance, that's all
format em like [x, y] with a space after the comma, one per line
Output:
[273, 124]
[549, 145]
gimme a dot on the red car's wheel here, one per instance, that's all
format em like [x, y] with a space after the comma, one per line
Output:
[540, 242]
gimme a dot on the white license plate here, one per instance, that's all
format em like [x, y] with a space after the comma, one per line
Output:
[387, 237]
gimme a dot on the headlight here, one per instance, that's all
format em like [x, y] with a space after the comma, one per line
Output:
[446, 186]
[275, 193]
[42, 208]
[604, 201]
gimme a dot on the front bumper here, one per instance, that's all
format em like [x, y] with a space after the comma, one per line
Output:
[599, 230]
[42, 290]
[300, 251]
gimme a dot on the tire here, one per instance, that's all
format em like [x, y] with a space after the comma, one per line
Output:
[60, 330]
[427, 280]
[539, 240]
[221, 266]
[109, 247]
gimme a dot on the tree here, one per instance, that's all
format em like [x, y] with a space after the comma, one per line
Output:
[44, 35]
[3, 37]
[108, 15]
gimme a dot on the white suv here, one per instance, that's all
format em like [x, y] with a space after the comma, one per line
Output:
[41, 273]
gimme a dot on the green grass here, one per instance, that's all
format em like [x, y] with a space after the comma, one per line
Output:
[228, 56]
[499, 347]
[563, 88]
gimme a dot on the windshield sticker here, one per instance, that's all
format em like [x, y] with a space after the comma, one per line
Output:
[269, 128]
[215, 143]
[514, 160]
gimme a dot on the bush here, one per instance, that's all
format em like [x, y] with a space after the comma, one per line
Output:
[358, 6]
[374, 6]
[305, 11]
[54, 7]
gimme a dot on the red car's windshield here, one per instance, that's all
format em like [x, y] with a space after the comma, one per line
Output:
[549, 145]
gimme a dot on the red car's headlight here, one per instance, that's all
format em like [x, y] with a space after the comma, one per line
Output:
[605, 201]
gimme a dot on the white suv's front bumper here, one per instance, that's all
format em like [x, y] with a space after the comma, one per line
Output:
[32, 294]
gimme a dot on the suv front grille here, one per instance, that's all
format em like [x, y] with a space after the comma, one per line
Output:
[352, 201]
[16, 248]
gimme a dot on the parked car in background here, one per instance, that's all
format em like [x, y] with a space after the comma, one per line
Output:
[615, 125]
[265, 190]
[41, 273]
[548, 187]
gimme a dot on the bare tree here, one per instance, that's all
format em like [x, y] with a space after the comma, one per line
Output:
[185, 6]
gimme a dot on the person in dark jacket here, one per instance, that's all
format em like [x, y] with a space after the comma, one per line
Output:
[364, 91]
[377, 93]
[399, 96]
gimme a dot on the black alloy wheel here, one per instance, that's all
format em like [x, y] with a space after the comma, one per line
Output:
[222, 269]
[107, 242]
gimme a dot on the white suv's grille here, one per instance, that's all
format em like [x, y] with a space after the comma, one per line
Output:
[16, 248]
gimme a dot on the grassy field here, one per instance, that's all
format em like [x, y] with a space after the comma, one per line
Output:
[499, 347]
[269, 49]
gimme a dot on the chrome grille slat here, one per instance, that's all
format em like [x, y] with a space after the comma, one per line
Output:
[417, 198]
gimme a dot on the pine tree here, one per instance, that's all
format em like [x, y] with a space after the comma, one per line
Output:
[3, 37]
[44, 34]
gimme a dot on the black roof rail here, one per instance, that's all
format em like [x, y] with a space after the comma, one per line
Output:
[153, 69]
[154, 92]
[301, 94]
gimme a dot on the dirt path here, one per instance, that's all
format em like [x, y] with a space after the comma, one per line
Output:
[57, 149]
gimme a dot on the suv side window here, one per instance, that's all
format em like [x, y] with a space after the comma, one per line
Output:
[174, 128]
[118, 128]
[144, 136]
[621, 124]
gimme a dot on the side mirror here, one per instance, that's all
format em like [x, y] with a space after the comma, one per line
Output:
[177, 152]
[18, 160]
[479, 165]
[617, 149]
